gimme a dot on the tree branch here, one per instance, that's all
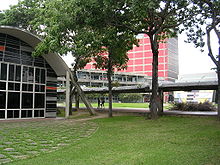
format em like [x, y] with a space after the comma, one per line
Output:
[208, 30]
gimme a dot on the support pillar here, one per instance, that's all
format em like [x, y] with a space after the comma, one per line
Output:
[67, 109]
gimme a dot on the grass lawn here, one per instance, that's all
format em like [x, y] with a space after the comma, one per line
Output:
[128, 140]
[122, 105]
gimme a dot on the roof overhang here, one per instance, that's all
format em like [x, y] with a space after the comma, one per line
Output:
[53, 59]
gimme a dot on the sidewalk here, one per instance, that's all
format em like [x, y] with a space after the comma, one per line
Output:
[166, 112]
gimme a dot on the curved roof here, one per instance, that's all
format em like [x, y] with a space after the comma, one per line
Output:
[53, 59]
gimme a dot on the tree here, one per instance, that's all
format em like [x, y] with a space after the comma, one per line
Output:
[48, 20]
[157, 19]
[63, 35]
[22, 14]
[117, 45]
[206, 21]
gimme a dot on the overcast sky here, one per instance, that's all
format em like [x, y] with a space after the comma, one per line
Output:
[191, 60]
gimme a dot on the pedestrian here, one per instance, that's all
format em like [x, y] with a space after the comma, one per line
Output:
[103, 103]
[98, 103]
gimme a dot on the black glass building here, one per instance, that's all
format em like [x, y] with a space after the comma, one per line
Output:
[27, 84]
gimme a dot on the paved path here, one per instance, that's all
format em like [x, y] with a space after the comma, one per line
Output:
[166, 112]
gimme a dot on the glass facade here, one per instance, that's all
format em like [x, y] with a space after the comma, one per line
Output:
[22, 80]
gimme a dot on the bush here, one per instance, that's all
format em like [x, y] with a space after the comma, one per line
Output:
[130, 97]
[206, 106]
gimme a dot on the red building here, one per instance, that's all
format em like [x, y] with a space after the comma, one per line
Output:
[140, 59]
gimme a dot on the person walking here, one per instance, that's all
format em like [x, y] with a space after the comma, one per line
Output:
[103, 103]
[98, 103]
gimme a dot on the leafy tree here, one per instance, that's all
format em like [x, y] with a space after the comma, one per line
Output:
[63, 35]
[22, 14]
[49, 21]
[117, 44]
[158, 19]
[206, 21]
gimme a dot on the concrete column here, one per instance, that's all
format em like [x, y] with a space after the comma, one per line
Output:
[67, 109]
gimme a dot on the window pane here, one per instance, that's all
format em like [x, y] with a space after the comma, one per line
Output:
[42, 113]
[30, 87]
[2, 100]
[10, 114]
[11, 72]
[3, 74]
[39, 100]
[2, 85]
[25, 74]
[2, 114]
[16, 114]
[42, 76]
[37, 75]
[27, 100]
[17, 86]
[26, 113]
[18, 73]
[13, 100]
[31, 75]
[11, 86]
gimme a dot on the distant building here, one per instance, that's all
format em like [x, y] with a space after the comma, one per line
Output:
[140, 59]
[196, 96]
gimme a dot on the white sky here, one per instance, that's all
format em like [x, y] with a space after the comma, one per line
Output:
[191, 60]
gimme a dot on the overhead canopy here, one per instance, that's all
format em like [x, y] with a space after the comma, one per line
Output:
[53, 59]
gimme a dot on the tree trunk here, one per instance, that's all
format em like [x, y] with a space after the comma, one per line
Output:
[109, 74]
[82, 95]
[154, 96]
[218, 99]
[77, 101]
[71, 101]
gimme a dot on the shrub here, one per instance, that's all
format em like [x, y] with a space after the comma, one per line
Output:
[130, 97]
[206, 106]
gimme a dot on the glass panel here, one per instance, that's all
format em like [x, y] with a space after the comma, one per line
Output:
[42, 88]
[17, 86]
[16, 114]
[39, 100]
[30, 87]
[36, 113]
[27, 100]
[11, 72]
[2, 100]
[2, 114]
[31, 75]
[26, 113]
[2, 85]
[3, 74]
[42, 113]
[13, 114]
[13, 100]
[18, 73]
[11, 86]
[25, 74]
[37, 75]
[10, 114]
[27, 87]
[37, 88]
[14, 86]
[42, 76]
[29, 113]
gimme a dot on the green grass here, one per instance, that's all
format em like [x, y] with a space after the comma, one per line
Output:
[122, 105]
[135, 141]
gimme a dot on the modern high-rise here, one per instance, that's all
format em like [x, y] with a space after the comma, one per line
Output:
[140, 59]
